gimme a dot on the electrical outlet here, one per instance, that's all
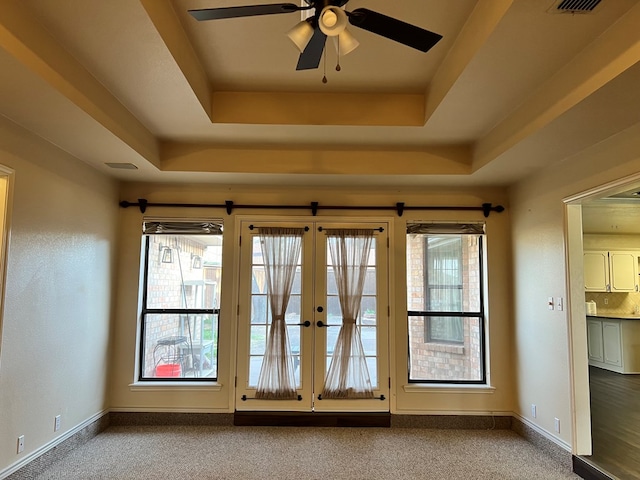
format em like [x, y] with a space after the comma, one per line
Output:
[606, 301]
[56, 423]
[557, 424]
[534, 412]
[21, 444]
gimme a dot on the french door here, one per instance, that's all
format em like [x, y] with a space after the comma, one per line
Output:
[314, 316]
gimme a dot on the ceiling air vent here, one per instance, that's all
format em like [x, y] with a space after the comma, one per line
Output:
[575, 6]
[121, 166]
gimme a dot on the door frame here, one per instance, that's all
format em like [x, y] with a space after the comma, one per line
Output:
[385, 345]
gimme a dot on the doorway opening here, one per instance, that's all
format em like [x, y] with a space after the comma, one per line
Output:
[604, 223]
[6, 180]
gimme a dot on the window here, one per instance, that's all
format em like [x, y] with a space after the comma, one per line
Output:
[180, 302]
[444, 303]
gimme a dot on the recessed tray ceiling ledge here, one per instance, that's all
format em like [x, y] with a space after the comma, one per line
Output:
[361, 109]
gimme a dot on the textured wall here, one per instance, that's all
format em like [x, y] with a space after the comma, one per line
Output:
[549, 343]
[125, 397]
[57, 308]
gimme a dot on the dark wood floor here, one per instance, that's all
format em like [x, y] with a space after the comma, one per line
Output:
[615, 422]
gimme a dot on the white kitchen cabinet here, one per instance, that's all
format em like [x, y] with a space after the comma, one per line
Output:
[614, 343]
[594, 341]
[596, 271]
[610, 271]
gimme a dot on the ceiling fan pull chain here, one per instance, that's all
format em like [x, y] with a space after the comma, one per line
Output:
[338, 68]
[324, 68]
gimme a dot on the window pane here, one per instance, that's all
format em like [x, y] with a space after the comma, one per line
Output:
[445, 362]
[444, 329]
[180, 346]
[444, 275]
[179, 268]
[183, 272]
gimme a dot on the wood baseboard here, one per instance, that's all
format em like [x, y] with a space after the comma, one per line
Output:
[293, 419]
[587, 471]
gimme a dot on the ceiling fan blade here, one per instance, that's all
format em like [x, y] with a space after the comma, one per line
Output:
[246, 11]
[310, 57]
[393, 29]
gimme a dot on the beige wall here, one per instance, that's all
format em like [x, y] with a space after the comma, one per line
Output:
[549, 345]
[56, 320]
[57, 309]
[125, 395]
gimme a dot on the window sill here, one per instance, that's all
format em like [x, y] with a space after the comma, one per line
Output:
[447, 388]
[175, 386]
[445, 347]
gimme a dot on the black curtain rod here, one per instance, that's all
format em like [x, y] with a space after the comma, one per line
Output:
[399, 207]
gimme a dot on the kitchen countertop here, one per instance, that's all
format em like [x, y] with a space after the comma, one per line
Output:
[616, 317]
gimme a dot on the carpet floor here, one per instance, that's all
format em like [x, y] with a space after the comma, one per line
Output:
[297, 453]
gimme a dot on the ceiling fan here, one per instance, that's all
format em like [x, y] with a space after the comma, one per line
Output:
[329, 19]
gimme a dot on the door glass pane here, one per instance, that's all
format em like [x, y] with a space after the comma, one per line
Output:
[255, 364]
[334, 312]
[294, 339]
[372, 365]
[261, 316]
[260, 313]
[258, 339]
[368, 336]
[370, 282]
[332, 337]
[293, 310]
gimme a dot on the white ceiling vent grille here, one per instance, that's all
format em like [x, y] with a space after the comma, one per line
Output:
[121, 166]
[574, 6]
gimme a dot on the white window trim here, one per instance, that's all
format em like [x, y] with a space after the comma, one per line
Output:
[448, 388]
[156, 386]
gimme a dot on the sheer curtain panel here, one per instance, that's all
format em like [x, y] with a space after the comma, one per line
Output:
[348, 375]
[281, 249]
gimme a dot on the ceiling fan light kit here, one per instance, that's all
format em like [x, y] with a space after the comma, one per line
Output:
[329, 20]
[333, 21]
[345, 43]
[301, 34]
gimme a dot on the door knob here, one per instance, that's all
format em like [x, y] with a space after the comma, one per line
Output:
[320, 323]
[320, 309]
[305, 324]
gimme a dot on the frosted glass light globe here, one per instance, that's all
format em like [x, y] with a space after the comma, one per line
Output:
[329, 18]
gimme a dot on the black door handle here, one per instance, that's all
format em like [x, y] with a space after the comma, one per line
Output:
[320, 323]
[305, 324]
[320, 309]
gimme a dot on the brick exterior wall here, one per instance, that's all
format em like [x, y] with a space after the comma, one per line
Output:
[444, 361]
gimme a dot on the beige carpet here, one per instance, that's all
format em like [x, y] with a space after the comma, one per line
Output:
[305, 453]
